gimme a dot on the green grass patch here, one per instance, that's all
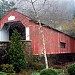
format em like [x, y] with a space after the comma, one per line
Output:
[3, 73]
[59, 70]
[35, 73]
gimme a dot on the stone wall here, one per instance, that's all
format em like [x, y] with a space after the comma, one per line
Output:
[3, 52]
[27, 49]
[4, 46]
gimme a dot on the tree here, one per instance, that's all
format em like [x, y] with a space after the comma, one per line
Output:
[36, 15]
[5, 6]
[42, 33]
[53, 13]
[74, 15]
[16, 52]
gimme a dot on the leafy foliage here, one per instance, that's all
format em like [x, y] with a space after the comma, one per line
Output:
[36, 59]
[48, 72]
[5, 7]
[16, 52]
[2, 73]
[7, 68]
[71, 69]
[36, 63]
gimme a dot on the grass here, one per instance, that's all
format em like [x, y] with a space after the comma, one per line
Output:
[28, 72]
[35, 73]
[2, 73]
[59, 71]
[32, 72]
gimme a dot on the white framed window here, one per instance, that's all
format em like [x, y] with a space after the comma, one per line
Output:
[27, 33]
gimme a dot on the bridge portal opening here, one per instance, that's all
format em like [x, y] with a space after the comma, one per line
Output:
[11, 26]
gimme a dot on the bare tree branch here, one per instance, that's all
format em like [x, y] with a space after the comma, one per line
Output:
[34, 1]
[42, 34]
[34, 9]
[42, 6]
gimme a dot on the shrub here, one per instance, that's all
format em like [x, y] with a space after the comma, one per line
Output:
[16, 52]
[48, 72]
[71, 69]
[36, 63]
[7, 68]
[36, 58]
[2, 73]
[36, 66]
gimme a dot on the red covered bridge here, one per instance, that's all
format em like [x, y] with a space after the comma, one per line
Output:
[56, 41]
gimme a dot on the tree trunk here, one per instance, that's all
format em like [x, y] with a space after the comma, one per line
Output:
[42, 34]
[44, 46]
